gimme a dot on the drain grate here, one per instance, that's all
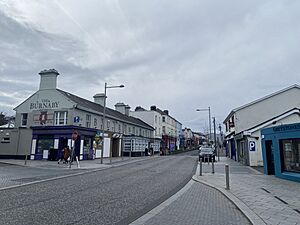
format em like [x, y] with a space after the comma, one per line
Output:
[265, 190]
[281, 200]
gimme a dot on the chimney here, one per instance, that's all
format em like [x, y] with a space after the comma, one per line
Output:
[99, 98]
[153, 108]
[166, 112]
[121, 107]
[127, 108]
[48, 79]
[139, 108]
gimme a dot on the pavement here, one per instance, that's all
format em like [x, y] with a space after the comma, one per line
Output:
[254, 198]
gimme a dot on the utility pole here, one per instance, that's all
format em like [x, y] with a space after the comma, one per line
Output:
[215, 137]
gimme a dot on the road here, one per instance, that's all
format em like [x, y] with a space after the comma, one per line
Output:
[117, 195]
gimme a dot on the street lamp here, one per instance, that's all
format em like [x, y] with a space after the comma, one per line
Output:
[104, 110]
[209, 120]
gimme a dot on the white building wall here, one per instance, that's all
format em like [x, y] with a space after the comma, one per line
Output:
[261, 111]
[256, 158]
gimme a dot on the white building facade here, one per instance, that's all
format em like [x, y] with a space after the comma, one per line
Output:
[51, 116]
[243, 124]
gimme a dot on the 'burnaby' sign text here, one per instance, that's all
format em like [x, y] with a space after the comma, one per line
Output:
[43, 104]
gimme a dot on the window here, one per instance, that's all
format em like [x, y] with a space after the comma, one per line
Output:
[5, 140]
[108, 124]
[163, 119]
[24, 117]
[119, 128]
[155, 118]
[113, 126]
[60, 118]
[95, 122]
[101, 126]
[290, 153]
[133, 130]
[88, 120]
[164, 129]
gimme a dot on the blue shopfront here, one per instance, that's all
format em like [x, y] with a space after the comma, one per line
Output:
[281, 151]
[48, 141]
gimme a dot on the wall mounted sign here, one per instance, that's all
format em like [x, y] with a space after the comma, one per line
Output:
[251, 146]
[287, 127]
[43, 118]
[44, 104]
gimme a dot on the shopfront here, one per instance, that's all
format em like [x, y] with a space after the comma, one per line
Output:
[48, 141]
[281, 151]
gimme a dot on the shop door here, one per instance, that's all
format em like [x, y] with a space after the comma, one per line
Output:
[270, 157]
[115, 147]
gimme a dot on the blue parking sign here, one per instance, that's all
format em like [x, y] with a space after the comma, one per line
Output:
[252, 146]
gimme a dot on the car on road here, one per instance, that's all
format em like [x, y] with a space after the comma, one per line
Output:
[206, 154]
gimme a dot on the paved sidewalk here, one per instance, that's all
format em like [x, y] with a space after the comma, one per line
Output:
[265, 199]
[197, 204]
[262, 199]
[84, 164]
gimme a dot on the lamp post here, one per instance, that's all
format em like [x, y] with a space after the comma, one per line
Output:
[209, 120]
[104, 111]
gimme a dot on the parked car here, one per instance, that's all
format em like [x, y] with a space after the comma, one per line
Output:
[207, 154]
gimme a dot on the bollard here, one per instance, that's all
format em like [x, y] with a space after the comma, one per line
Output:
[227, 176]
[26, 160]
[200, 167]
[212, 166]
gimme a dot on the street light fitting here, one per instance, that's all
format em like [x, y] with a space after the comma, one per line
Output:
[118, 86]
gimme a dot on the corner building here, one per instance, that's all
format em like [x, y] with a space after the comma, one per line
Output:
[46, 121]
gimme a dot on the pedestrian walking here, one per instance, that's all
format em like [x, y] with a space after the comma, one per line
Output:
[60, 155]
[67, 153]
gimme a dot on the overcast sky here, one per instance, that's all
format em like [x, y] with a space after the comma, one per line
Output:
[178, 55]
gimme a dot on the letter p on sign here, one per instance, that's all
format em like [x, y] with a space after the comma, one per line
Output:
[252, 146]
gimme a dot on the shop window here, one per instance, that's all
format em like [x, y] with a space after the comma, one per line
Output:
[45, 142]
[290, 153]
[24, 117]
[60, 118]
[87, 147]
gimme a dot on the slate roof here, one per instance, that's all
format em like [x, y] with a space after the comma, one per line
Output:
[109, 112]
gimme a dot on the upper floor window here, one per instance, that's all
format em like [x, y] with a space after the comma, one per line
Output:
[61, 118]
[155, 118]
[24, 117]
[164, 119]
[88, 120]
[108, 124]
[95, 122]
